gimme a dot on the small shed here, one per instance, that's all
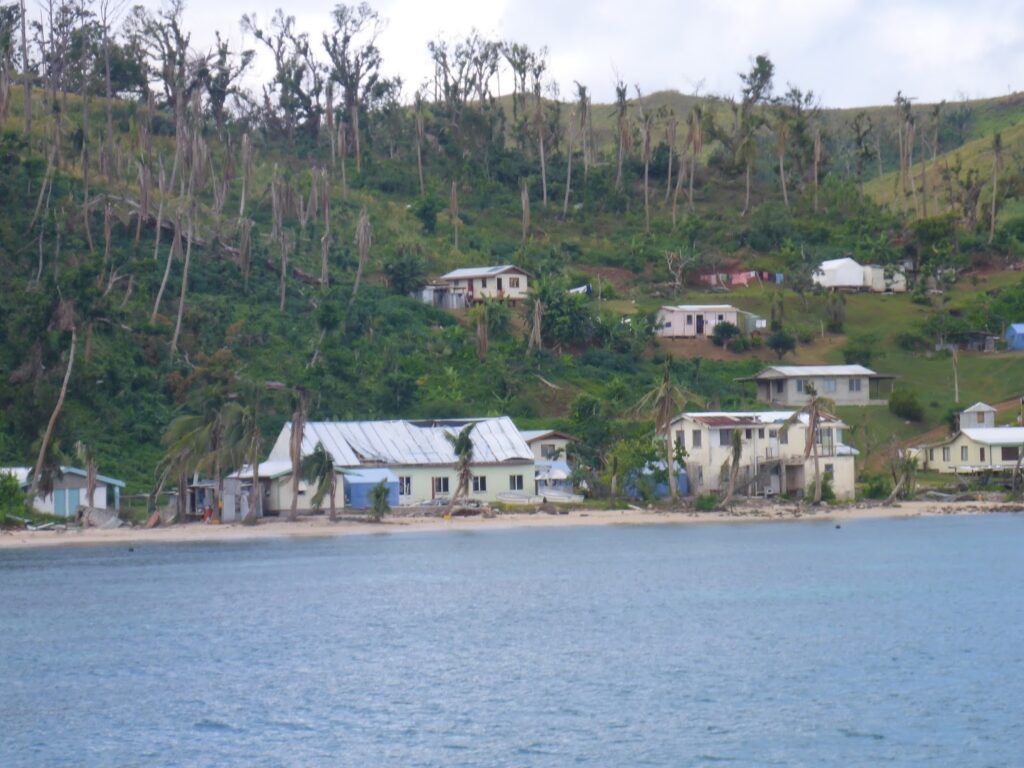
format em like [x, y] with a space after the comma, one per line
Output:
[1015, 336]
[978, 415]
[360, 482]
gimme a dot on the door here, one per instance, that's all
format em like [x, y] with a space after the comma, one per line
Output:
[700, 325]
[74, 494]
[499, 286]
[60, 503]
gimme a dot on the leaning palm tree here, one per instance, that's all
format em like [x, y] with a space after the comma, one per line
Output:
[301, 403]
[318, 469]
[665, 399]
[462, 446]
[815, 409]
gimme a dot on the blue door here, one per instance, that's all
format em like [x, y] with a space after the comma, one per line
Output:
[60, 503]
[73, 500]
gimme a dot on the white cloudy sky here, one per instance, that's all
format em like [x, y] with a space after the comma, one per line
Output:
[850, 52]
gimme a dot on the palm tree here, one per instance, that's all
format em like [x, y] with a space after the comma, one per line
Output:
[733, 463]
[87, 456]
[462, 445]
[198, 443]
[997, 162]
[301, 403]
[379, 499]
[665, 399]
[245, 437]
[318, 469]
[814, 410]
[695, 122]
[622, 127]
[781, 135]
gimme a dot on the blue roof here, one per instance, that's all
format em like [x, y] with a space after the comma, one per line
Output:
[1016, 328]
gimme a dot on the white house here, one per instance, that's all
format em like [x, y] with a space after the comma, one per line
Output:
[70, 491]
[417, 452]
[547, 444]
[978, 445]
[505, 282]
[788, 385]
[772, 458]
[694, 320]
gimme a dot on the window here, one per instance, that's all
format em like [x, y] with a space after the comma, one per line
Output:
[800, 385]
[1009, 452]
[695, 443]
[548, 450]
[721, 318]
[405, 486]
[667, 325]
[982, 454]
[981, 418]
[513, 282]
[479, 484]
[749, 433]
[680, 438]
[689, 319]
[725, 437]
[440, 486]
[783, 437]
[945, 453]
[483, 282]
[830, 385]
[963, 453]
[855, 385]
[515, 482]
[773, 433]
[780, 386]
[931, 454]
[830, 469]
[760, 433]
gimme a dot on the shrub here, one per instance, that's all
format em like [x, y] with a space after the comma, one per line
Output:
[379, 499]
[860, 350]
[911, 342]
[706, 502]
[827, 492]
[12, 499]
[877, 486]
[903, 402]
[724, 333]
[780, 343]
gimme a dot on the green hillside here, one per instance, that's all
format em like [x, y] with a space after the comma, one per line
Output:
[255, 326]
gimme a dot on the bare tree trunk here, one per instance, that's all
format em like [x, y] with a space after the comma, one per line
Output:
[343, 151]
[568, 177]
[282, 276]
[26, 74]
[817, 163]
[48, 435]
[746, 199]
[679, 183]
[956, 376]
[995, 188]
[454, 212]
[184, 285]
[363, 242]
[524, 200]
[543, 163]
[325, 241]
[419, 151]
[782, 178]
[354, 116]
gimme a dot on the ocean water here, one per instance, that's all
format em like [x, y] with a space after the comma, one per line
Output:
[885, 642]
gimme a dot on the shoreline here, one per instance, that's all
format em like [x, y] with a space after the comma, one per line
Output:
[320, 527]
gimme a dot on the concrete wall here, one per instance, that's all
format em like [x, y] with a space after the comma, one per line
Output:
[682, 323]
[838, 391]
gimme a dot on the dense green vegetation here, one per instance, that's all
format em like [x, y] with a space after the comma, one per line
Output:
[306, 214]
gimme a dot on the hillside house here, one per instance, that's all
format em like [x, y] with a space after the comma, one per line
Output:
[547, 444]
[693, 321]
[772, 460]
[69, 491]
[787, 385]
[879, 280]
[1015, 337]
[977, 446]
[418, 455]
[463, 287]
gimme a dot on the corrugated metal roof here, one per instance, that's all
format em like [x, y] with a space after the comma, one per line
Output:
[21, 475]
[978, 407]
[353, 443]
[817, 370]
[832, 263]
[700, 307]
[719, 419]
[267, 469]
[996, 435]
[532, 435]
[471, 272]
[370, 475]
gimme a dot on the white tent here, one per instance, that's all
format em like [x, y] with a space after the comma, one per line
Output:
[839, 273]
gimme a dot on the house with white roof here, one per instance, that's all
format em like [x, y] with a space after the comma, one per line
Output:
[772, 458]
[788, 385]
[463, 287]
[690, 321]
[416, 452]
[977, 446]
[70, 491]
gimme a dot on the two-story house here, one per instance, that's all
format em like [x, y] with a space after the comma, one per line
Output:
[977, 446]
[772, 457]
[788, 385]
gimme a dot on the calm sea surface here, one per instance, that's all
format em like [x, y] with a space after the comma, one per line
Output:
[888, 642]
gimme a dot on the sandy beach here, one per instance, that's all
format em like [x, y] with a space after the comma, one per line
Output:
[320, 526]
